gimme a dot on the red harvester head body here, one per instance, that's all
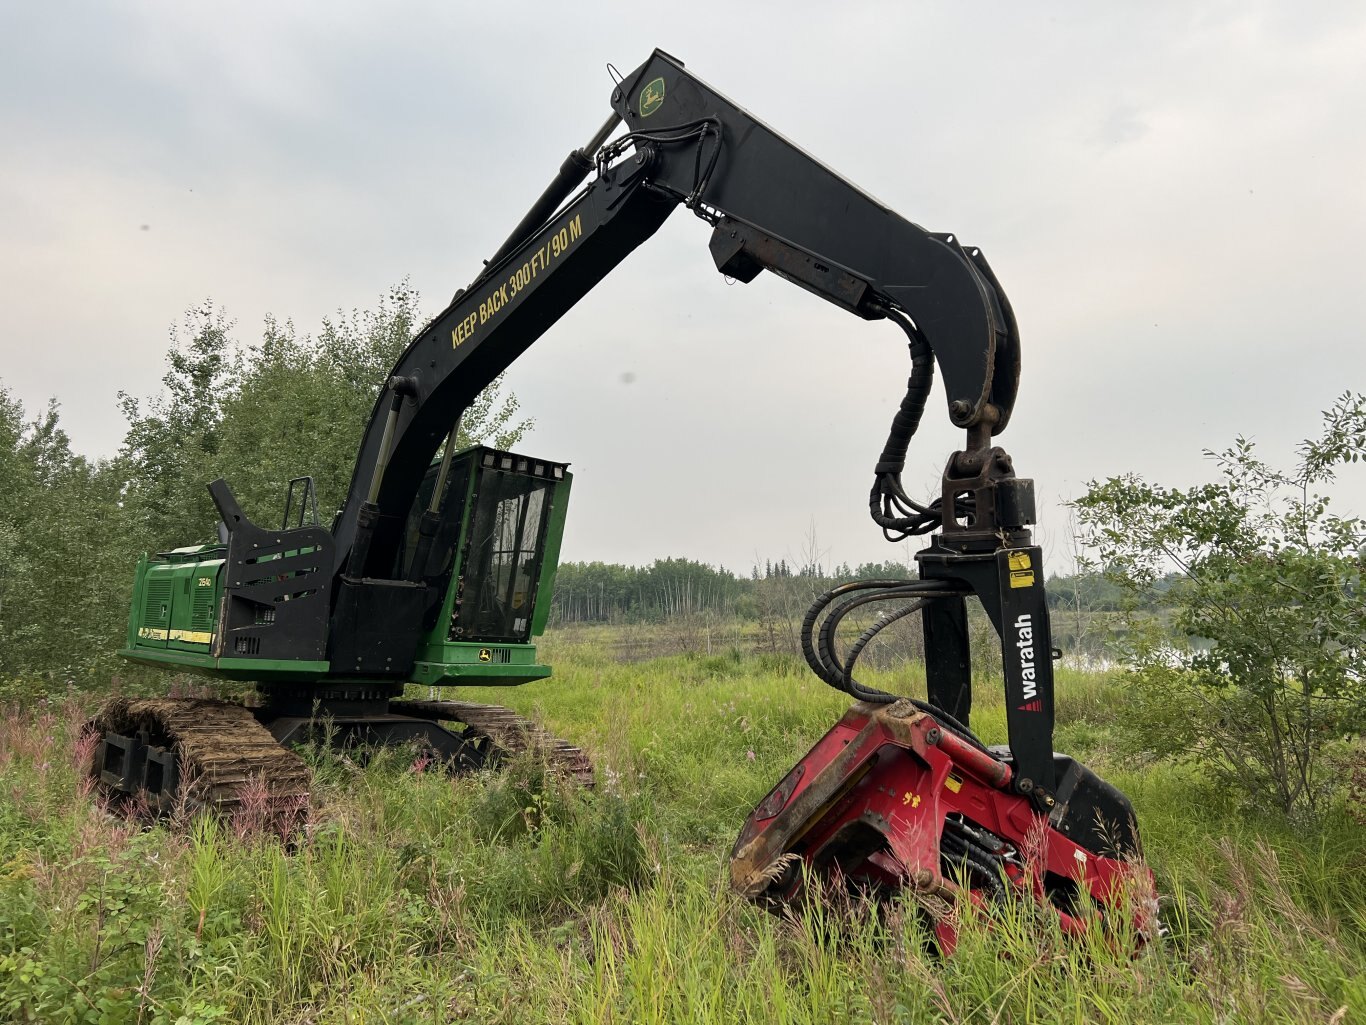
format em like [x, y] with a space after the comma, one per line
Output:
[889, 800]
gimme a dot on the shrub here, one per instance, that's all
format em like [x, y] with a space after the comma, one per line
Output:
[1258, 675]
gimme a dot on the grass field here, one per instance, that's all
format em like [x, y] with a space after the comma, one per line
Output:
[507, 898]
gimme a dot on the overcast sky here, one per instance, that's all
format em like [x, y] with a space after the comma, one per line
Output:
[1172, 194]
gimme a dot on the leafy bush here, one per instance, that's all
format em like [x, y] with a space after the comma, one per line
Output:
[1259, 675]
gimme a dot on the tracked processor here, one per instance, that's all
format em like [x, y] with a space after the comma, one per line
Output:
[439, 566]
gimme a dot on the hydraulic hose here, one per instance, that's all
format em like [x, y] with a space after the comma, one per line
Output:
[884, 620]
[891, 509]
[818, 644]
[907, 419]
[818, 666]
[899, 517]
[826, 639]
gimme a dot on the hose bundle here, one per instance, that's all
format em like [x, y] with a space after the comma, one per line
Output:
[822, 621]
[892, 509]
[704, 159]
[899, 517]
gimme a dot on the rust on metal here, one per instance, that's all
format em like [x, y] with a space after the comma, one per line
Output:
[904, 723]
[750, 865]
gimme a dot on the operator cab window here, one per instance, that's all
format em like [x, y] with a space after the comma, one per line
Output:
[502, 564]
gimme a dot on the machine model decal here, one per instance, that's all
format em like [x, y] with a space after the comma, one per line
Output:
[652, 97]
[1024, 640]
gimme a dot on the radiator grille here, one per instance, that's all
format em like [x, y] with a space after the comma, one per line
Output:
[157, 607]
[201, 614]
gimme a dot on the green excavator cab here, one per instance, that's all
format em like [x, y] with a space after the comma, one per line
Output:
[488, 575]
[495, 567]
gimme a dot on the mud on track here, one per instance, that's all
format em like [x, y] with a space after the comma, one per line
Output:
[224, 752]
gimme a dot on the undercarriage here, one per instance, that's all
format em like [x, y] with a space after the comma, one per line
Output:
[159, 755]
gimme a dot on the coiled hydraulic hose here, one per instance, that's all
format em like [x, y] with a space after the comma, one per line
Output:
[818, 638]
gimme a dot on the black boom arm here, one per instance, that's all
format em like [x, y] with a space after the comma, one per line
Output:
[772, 206]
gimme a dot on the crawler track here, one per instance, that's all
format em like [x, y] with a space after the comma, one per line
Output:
[500, 731]
[169, 753]
[222, 755]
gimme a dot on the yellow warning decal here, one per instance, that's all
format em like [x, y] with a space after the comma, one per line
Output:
[538, 261]
[953, 783]
[192, 636]
[1021, 569]
[150, 633]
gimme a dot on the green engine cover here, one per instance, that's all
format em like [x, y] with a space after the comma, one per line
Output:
[175, 600]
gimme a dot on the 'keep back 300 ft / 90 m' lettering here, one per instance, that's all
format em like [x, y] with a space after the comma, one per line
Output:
[520, 278]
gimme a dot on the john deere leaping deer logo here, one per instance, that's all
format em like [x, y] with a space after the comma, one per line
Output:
[652, 97]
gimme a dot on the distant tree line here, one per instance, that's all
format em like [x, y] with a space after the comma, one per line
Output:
[602, 592]
[599, 592]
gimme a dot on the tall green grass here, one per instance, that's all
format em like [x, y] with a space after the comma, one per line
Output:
[508, 897]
